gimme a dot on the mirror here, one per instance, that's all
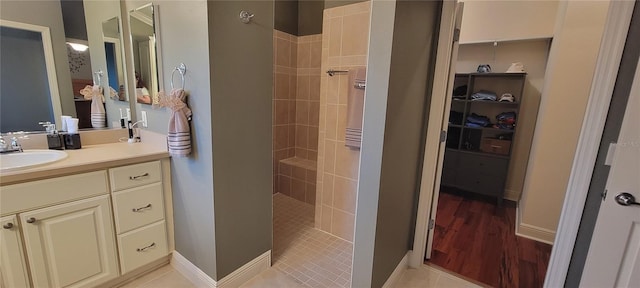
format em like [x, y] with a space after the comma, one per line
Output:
[145, 62]
[114, 58]
[69, 22]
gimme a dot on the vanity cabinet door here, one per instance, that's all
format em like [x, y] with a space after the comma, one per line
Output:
[72, 244]
[13, 268]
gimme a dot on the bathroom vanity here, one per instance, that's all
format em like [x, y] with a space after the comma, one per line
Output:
[97, 218]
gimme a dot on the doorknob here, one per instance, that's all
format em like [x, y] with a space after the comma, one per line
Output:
[626, 199]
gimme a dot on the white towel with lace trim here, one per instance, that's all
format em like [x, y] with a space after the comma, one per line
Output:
[98, 119]
[179, 134]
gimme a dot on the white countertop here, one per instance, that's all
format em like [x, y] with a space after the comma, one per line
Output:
[90, 158]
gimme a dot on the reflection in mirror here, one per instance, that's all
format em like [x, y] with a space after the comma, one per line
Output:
[70, 71]
[144, 53]
[113, 56]
[28, 93]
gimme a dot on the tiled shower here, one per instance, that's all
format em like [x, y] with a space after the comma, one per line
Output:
[315, 174]
[309, 111]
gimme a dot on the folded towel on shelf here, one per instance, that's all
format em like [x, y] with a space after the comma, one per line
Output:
[179, 134]
[355, 105]
[98, 115]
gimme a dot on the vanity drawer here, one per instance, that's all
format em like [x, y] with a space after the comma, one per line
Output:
[142, 246]
[138, 206]
[135, 175]
[36, 194]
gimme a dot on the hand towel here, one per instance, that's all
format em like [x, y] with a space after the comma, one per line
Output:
[94, 93]
[179, 134]
[355, 104]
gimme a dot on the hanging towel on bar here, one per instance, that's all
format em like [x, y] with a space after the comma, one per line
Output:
[94, 93]
[355, 104]
[179, 136]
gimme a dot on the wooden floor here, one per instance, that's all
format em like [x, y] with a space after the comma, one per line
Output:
[476, 239]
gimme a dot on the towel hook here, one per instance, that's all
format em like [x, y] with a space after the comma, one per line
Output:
[182, 69]
[97, 75]
[245, 16]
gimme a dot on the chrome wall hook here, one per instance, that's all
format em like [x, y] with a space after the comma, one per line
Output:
[245, 16]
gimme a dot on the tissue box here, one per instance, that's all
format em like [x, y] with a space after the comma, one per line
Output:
[495, 146]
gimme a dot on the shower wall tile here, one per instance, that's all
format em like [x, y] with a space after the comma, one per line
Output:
[344, 46]
[284, 107]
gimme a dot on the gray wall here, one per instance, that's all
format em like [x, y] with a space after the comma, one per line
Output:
[48, 14]
[241, 61]
[611, 132]
[375, 107]
[335, 3]
[310, 17]
[412, 59]
[74, 19]
[286, 16]
[401, 59]
[192, 180]
[23, 103]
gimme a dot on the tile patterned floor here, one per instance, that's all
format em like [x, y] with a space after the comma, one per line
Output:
[427, 276]
[304, 257]
[310, 256]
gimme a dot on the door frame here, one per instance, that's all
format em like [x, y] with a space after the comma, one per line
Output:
[609, 57]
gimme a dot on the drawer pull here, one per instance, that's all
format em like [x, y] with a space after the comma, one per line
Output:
[141, 208]
[147, 247]
[31, 220]
[138, 177]
[8, 225]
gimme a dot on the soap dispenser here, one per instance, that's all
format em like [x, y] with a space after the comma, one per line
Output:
[54, 139]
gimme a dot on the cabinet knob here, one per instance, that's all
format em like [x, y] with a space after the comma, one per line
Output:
[8, 225]
[31, 220]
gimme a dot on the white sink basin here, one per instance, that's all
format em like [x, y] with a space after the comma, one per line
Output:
[29, 159]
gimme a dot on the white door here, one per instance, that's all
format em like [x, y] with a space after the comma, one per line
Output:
[614, 254]
[445, 127]
[13, 268]
[71, 245]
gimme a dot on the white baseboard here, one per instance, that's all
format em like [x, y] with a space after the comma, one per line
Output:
[235, 279]
[247, 271]
[397, 273]
[533, 232]
[512, 195]
[191, 271]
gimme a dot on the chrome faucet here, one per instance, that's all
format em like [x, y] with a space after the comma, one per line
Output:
[13, 146]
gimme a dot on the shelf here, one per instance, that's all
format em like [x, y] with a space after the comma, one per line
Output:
[456, 125]
[489, 129]
[491, 74]
[479, 153]
[493, 102]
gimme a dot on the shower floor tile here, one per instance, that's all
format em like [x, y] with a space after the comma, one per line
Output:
[312, 257]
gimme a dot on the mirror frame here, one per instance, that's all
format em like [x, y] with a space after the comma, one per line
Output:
[158, 52]
[54, 92]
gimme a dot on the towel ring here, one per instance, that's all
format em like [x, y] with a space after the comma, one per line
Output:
[182, 69]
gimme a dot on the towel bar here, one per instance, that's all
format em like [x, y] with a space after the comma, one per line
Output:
[331, 72]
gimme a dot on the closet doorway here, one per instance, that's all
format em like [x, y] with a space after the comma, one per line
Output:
[491, 182]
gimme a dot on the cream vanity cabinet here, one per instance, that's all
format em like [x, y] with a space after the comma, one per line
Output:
[79, 231]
